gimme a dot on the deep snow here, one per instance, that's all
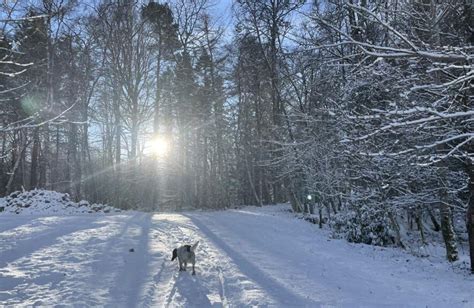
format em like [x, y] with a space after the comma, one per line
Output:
[251, 256]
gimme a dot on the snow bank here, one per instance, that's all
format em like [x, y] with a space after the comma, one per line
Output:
[46, 202]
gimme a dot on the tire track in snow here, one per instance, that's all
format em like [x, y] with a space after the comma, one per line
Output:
[100, 270]
[149, 298]
[132, 276]
[164, 234]
[278, 292]
[179, 288]
[218, 282]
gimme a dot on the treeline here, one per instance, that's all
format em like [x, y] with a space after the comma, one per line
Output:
[364, 105]
[100, 84]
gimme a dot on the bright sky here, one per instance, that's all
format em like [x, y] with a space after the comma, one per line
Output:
[221, 12]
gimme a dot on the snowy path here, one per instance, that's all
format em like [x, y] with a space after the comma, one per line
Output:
[245, 258]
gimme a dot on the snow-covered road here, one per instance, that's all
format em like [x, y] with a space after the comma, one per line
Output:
[245, 257]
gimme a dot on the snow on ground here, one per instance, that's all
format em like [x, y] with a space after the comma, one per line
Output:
[46, 202]
[246, 257]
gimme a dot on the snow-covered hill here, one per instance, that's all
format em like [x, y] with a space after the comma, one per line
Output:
[46, 202]
[247, 257]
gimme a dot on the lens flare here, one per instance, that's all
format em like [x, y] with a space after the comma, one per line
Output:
[30, 104]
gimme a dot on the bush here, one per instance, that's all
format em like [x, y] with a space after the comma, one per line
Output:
[368, 225]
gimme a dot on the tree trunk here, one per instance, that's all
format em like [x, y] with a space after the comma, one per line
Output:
[252, 182]
[419, 224]
[396, 227]
[44, 158]
[295, 203]
[118, 152]
[3, 164]
[55, 168]
[21, 150]
[134, 148]
[470, 215]
[74, 163]
[34, 159]
[447, 227]
[436, 226]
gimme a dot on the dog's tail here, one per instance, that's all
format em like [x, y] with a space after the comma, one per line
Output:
[193, 248]
[175, 254]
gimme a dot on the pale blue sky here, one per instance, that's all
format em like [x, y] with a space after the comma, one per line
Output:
[221, 11]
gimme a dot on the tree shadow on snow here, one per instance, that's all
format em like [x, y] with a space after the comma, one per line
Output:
[275, 289]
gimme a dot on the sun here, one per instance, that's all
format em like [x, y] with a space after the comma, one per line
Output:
[160, 146]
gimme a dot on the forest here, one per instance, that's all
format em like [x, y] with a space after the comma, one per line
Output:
[359, 113]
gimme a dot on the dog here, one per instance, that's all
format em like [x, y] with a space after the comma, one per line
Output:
[185, 254]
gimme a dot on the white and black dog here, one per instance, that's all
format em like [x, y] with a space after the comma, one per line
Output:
[185, 254]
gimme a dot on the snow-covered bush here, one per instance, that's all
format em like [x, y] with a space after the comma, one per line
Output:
[365, 224]
[40, 201]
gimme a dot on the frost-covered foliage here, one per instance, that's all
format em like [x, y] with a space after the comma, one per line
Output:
[366, 224]
[381, 129]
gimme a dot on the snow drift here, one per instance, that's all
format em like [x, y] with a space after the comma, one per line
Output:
[38, 202]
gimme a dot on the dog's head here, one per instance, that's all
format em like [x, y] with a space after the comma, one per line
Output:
[175, 254]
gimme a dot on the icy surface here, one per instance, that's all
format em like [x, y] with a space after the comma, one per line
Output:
[250, 256]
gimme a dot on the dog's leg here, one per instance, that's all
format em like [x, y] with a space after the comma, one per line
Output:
[194, 273]
[185, 266]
